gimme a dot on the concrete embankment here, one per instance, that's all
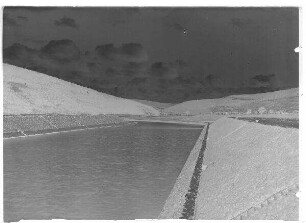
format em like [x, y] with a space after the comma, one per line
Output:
[184, 119]
[249, 168]
[174, 205]
[25, 125]
[168, 122]
[249, 171]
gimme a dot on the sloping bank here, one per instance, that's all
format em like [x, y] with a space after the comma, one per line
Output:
[24, 125]
[249, 171]
[175, 205]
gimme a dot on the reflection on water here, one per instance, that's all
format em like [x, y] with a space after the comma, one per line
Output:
[112, 173]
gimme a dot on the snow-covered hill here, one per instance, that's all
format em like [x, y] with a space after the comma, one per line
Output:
[30, 92]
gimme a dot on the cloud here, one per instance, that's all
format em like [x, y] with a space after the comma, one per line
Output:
[163, 70]
[127, 52]
[57, 59]
[216, 81]
[62, 50]
[108, 51]
[20, 55]
[134, 69]
[263, 78]
[268, 82]
[36, 42]
[8, 21]
[157, 81]
[62, 59]
[66, 21]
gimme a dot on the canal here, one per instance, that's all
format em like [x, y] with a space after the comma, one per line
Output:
[124, 172]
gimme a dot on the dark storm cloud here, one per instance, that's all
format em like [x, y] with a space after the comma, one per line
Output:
[8, 21]
[261, 83]
[62, 50]
[241, 47]
[128, 52]
[56, 59]
[52, 59]
[263, 78]
[163, 70]
[269, 81]
[63, 59]
[134, 69]
[37, 42]
[20, 55]
[66, 21]
[107, 51]
[256, 84]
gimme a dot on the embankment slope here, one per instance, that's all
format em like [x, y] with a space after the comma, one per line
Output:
[278, 101]
[155, 104]
[174, 204]
[250, 171]
[30, 92]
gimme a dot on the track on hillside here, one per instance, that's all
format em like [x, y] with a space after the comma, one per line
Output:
[282, 122]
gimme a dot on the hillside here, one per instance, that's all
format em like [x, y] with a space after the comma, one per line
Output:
[30, 92]
[278, 101]
[155, 104]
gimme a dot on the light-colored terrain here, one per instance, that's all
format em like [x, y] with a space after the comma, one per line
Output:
[155, 104]
[284, 101]
[250, 171]
[192, 119]
[30, 92]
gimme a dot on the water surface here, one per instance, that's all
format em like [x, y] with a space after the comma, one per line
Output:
[122, 172]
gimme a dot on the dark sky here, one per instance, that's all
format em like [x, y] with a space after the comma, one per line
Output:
[160, 54]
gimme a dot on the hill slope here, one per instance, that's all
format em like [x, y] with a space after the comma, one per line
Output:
[155, 104]
[284, 100]
[30, 92]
